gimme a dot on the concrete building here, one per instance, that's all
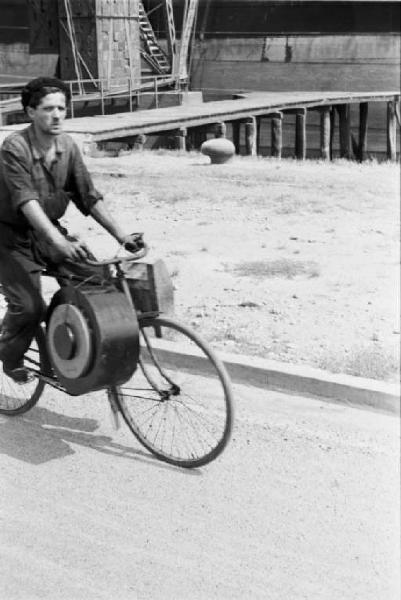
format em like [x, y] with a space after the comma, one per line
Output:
[235, 45]
[251, 44]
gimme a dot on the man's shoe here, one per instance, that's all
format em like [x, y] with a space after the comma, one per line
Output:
[18, 373]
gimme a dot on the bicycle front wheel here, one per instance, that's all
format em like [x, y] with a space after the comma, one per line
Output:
[179, 402]
[17, 398]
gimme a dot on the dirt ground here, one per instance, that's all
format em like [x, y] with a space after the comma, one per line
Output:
[291, 261]
[296, 262]
[303, 505]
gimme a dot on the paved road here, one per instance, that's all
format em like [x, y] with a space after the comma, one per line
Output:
[303, 505]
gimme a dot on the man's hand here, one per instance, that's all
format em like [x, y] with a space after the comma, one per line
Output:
[133, 242]
[75, 250]
[71, 249]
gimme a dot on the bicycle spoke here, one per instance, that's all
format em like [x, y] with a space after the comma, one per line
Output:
[184, 432]
[195, 430]
[17, 398]
[140, 397]
[179, 416]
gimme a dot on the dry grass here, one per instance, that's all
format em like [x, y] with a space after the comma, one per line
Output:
[282, 267]
[375, 362]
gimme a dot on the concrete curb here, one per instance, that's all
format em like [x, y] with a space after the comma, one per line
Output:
[258, 372]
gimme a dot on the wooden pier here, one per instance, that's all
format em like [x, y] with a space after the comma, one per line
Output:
[244, 111]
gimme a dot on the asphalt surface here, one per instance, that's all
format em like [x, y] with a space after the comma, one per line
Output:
[303, 504]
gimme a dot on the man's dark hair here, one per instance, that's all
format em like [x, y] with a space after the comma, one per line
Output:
[36, 89]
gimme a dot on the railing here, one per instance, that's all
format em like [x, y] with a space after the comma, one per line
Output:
[334, 110]
[247, 113]
[98, 90]
[101, 90]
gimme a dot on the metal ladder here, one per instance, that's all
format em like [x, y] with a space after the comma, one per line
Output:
[153, 54]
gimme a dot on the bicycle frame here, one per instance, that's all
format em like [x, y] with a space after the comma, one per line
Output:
[164, 405]
[120, 281]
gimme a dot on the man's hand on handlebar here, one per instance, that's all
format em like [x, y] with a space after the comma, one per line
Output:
[133, 242]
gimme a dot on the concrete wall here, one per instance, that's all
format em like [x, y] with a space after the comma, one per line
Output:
[303, 63]
[16, 63]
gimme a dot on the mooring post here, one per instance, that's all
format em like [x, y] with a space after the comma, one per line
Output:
[250, 136]
[140, 141]
[363, 131]
[300, 134]
[345, 130]
[276, 134]
[181, 138]
[236, 126]
[258, 134]
[199, 135]
[332, 129]
[220, 129]
[192, 139]
[325, 130]
[391, 131]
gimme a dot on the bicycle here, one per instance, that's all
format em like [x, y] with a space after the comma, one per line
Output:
[82, 347]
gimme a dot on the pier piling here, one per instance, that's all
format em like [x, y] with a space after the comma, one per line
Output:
[181, 138]
[391, 131]
[325, 132]
[345, 130]
[220, 129]
[236, 128]
[300, 134]
[363, 131]
[276, 134]
[250, 136]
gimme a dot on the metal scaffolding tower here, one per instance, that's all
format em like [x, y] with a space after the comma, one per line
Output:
[109, 41]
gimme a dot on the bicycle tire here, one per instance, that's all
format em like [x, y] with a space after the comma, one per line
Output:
[16, 398]
[171, 424]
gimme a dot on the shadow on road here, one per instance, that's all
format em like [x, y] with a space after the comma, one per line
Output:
[43, 435]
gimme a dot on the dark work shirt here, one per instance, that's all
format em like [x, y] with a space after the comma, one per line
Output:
[24, 177]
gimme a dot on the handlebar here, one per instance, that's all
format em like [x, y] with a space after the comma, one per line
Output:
[118, 259]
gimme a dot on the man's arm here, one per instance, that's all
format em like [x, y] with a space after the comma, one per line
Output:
[102, 215]
[41, 223]
[90, 201]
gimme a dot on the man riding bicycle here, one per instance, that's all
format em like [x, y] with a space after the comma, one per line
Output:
[41, 171]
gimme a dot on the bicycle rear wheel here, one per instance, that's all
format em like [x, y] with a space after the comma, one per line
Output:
[16, 398]
[179, 402]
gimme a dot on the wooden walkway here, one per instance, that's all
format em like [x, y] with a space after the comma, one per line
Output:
[247, 109]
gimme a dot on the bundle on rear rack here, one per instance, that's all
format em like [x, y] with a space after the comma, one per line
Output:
[151, 286]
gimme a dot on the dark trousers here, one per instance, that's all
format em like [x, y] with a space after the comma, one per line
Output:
[25, 307]
[20, 280]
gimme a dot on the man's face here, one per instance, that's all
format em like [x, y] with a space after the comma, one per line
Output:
[50, 113]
